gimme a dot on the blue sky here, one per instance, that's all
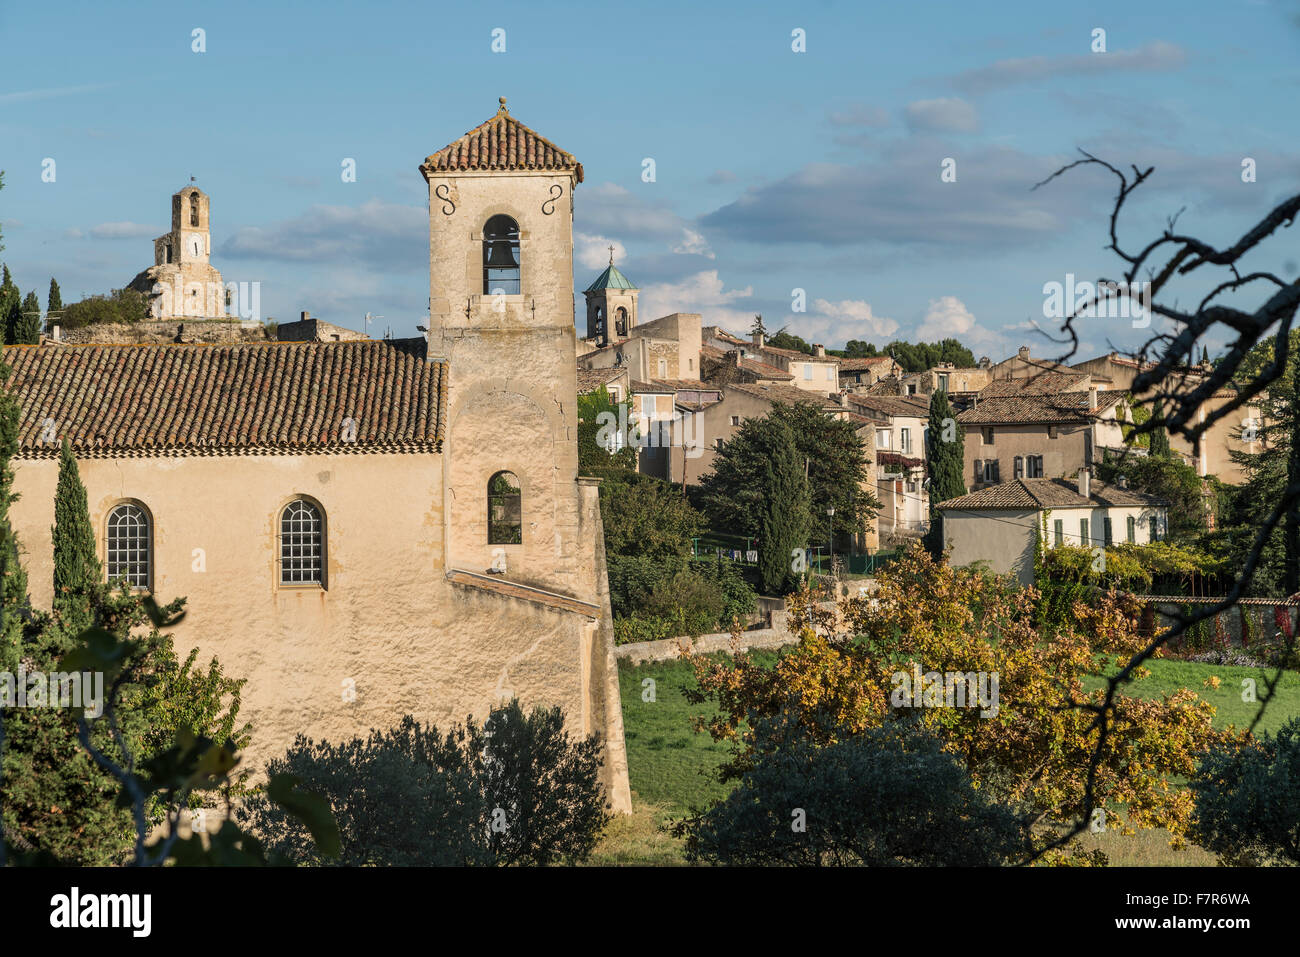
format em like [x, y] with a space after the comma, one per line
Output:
[775, 170]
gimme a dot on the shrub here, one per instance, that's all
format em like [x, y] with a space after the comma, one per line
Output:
[888, 796]
[1248, 800]
[515, 790]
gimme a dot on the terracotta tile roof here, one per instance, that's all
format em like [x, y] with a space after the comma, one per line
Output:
[760, 369]
[589, 380]
[685, 385]
[654, 388]
[501, 143]
[890, 404]
[111, 400]
[1051, 408]
[858, 365]
[1037, 384]
[1050, 493]
[779, 392]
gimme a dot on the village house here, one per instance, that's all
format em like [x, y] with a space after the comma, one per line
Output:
[1220, 440]
[857, 374]
[900, 427]
[818, 372]
[999, 524]
[1017, 433]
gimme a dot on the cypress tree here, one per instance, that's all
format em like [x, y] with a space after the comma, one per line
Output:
[13, 577]
[54, 302]
[10, 304]
[1291, 521]
[76, 565]
[945, 452]
[27, 329]
[1160, 435]
[783, 515]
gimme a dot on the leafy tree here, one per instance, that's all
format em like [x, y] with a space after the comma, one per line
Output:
[122, 306]
[77, 571]
[27, 327]
[828, 452]
[1159, 435]
[515, 790]
[786, 340]
[647, 517]
[836, 465]
[758, 489]
[857, 349]
[1169, 478]
[842, 678]
[888, 796]
[54, 301]
[781, 527]
[758, 326]
[944, 460]
[1248, 800]
[595, 412]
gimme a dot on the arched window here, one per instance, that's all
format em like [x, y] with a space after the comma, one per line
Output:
[194, 209]
[130, 545]
[620, 322]
[302, 544]
[598, 328]
[505, 510]
[501, 256]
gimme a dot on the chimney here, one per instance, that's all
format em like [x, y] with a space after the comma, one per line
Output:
[56, 333]
[819, 350]
[1085, 483]
[1024, 352]
[1092, 398]
[305, 315]
[758, 340]
[1122, 481]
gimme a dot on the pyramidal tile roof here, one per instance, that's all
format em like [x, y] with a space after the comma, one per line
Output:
[502, 143]
[611, 278]
[258, 398]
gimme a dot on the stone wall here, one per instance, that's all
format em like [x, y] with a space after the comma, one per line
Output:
[166, 330]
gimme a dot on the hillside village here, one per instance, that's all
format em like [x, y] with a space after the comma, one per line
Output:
[382, 536]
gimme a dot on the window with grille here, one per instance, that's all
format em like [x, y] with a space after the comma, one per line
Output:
[501, 258]
[129, 546]
[302, 544]
[505, 510]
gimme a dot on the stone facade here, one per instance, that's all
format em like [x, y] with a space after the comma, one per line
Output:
[395, 444]
[182, 283]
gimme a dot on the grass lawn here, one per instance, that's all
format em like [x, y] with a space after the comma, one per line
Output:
[1170, 675]
[671, 766]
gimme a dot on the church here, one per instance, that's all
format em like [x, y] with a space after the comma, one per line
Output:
[362, 529]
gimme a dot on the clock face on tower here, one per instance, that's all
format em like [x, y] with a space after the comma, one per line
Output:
[192, 244]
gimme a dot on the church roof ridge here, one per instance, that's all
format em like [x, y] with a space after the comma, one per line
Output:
[174, 399]
[501, 143]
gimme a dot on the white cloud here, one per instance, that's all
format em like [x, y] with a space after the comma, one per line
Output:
[1154, 56]
[693, 244]
[592, 252]
[123, 230]
[853, 319]
[704, 293]
[948, 318]
[389, 236]
[944, 115]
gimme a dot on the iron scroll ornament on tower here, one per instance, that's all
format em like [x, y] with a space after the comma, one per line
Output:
[445, 198]
[556, 192]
